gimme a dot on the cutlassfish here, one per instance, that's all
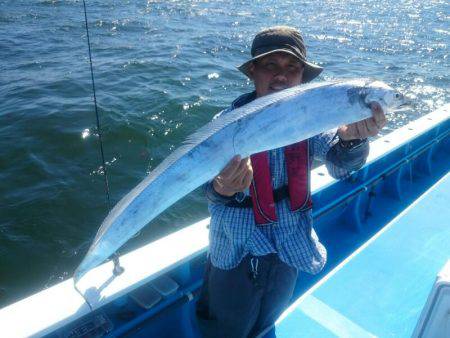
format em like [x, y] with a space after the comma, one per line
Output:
[269, 122]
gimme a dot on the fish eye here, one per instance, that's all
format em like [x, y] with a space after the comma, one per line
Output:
[397, 95]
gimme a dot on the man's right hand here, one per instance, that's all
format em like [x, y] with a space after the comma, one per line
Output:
[235, 177]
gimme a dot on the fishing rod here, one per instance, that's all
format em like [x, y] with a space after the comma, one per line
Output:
[117, 268]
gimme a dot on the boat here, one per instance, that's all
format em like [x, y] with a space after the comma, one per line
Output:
[386, 229]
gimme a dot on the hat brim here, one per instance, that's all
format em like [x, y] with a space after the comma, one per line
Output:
[310, 72]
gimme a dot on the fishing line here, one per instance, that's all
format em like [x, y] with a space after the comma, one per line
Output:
[117, 268]
[99, 131]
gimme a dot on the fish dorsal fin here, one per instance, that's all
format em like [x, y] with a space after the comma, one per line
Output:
[203, 134]
[130, 196]
[224, 120]
[215, 125]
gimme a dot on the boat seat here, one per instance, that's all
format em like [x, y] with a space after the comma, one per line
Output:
[434, 321]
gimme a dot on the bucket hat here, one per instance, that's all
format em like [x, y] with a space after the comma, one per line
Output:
[281, 39]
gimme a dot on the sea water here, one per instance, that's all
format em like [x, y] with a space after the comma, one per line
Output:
[162, 70]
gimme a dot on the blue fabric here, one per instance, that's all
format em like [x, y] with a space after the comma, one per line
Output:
[234, 233]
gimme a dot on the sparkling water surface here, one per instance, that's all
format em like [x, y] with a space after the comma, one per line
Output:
[162, 70]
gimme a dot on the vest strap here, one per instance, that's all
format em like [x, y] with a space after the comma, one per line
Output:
[264, 210]
[262, 195]
[298, 171]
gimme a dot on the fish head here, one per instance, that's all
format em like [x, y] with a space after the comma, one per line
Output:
[388, 98]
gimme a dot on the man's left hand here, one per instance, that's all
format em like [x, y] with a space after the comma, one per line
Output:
[365, 128]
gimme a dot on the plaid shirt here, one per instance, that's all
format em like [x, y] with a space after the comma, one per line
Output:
[234, 233]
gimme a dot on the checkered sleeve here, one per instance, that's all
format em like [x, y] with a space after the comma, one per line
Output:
[322, 143]
[340, 162]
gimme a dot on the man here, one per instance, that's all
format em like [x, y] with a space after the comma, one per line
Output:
[261, 225]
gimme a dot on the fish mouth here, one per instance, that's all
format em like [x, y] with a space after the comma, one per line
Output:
[405, 106]
[404, 102]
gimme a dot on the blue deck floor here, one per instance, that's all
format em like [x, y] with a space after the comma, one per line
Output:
[381, 289]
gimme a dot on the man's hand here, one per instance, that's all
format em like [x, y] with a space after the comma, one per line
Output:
[235, 177]
[364, 128]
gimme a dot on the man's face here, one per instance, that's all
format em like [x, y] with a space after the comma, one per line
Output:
[275, 72]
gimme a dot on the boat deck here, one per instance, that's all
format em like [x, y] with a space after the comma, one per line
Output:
[381, 289]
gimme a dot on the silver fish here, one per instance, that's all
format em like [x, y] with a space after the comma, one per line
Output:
[269, 122]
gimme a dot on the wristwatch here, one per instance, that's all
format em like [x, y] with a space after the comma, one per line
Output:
[352, 144]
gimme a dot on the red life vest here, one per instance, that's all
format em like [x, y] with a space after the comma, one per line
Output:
[298, 168]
